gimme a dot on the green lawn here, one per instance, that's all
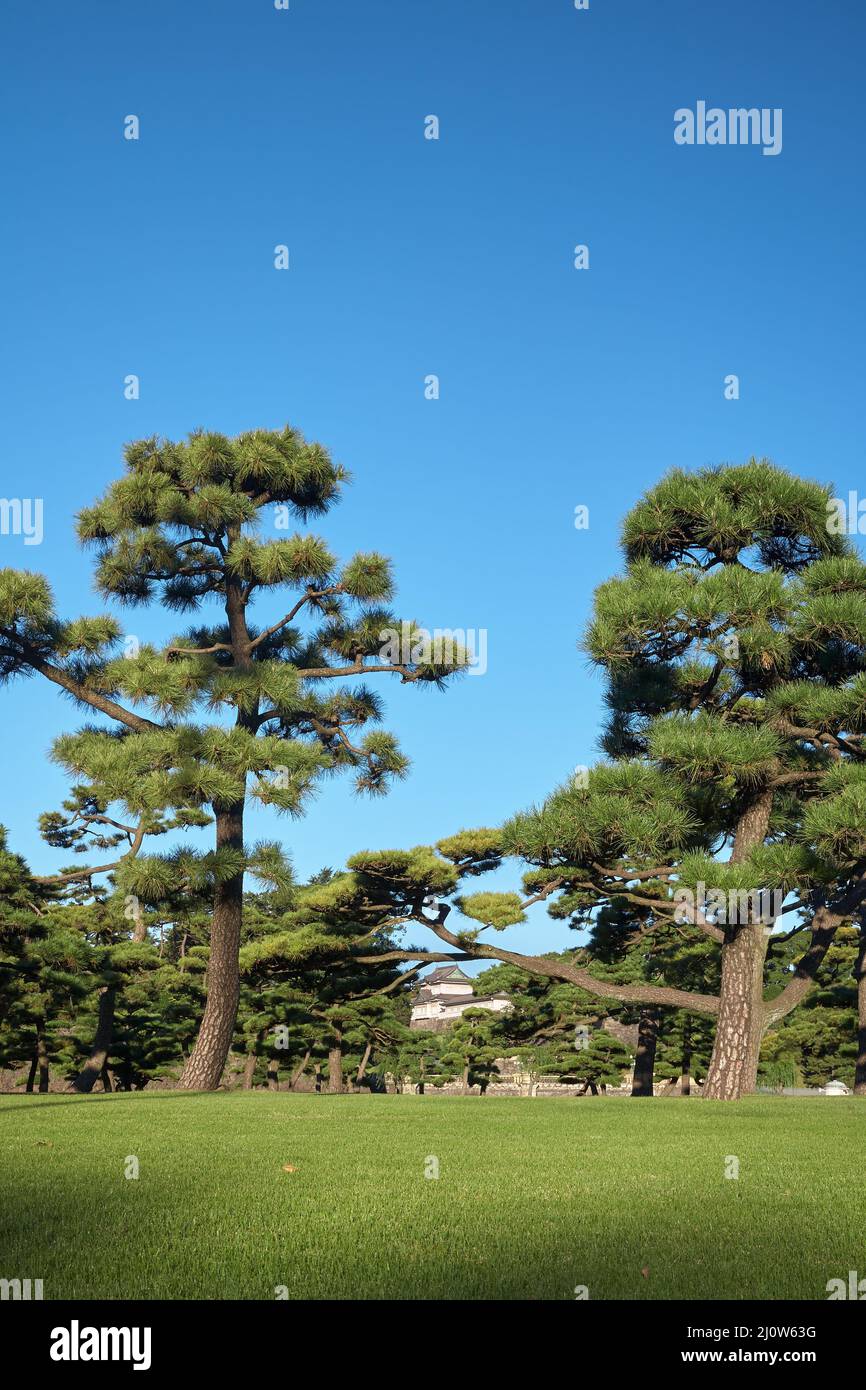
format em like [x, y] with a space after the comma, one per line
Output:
[534, 1197]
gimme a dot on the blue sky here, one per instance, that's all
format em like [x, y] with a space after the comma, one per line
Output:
[410, 257]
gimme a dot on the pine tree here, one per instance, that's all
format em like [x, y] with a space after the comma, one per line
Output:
[301, 971]
[40, 970]
[470, 1049]
[618, 940]
[228, 710]
[84, 992]
[116, 928]
[819, 1042]
[412, 1056]
[735, 647]
[684, 1047]
[598, 1063]
[735, 651]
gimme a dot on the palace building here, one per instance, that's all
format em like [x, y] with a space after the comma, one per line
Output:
[445, 995]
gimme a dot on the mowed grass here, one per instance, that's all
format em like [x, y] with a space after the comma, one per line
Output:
[533, 1198]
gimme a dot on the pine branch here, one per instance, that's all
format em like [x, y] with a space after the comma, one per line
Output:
[87, 696]
[87, 874]
[310, 596]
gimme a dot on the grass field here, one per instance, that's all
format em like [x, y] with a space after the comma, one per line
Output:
[533, 1198]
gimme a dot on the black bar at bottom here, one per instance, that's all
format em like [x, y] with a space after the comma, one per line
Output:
[62, 1339]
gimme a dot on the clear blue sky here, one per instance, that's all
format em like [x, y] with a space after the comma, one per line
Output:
[411, 257]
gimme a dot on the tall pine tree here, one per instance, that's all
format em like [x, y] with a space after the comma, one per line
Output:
[229, 709]
[735, 650]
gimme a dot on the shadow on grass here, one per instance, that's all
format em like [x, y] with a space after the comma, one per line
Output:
[113, 1099]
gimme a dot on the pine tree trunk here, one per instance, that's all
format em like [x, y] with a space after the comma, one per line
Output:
[362, 1066]
[318, 1075]
[204, 1069]
[249, 1070]
[466, 1081]
[299, 1070]
[860, 1069]
[94, 1067]
[31, 1075]
[733, 1069]
[273, 1074]
[42, 1057]
[645, 1056]
[686, 1064]
[105, 1078]
[335, 1065]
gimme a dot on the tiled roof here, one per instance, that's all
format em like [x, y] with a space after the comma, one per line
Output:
[445, 972]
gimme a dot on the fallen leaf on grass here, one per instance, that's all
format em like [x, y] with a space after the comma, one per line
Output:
[288, 1167]
[645, 1271]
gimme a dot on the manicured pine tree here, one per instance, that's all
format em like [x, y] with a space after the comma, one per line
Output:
[108, 957]
[23, 904]
[274, 1029]
[72, 958]
[229, 710]
[55, 975]
[845, 968]
[353, 1014]
[155, 1021]
[361, 1025]
[300, 966]
[544, 1012]
[735, 648]
[685, 1044]
[117, 928]
[816, 1045]
[602, 1062]
[860, 976]
[38, 969]
[470, 1049]
[819, 1042]
[413, 1056]
[619, 941]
